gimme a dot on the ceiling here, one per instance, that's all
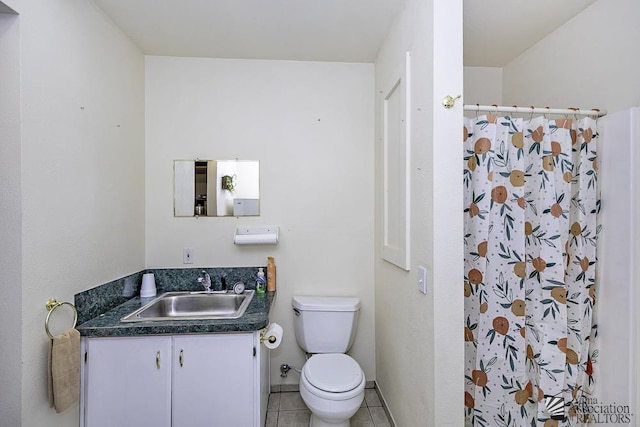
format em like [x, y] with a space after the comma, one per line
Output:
[307, 30]
[326, 30]
[498, 31]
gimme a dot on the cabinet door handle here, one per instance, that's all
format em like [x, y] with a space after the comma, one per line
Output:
[181, 357]
[158, 359]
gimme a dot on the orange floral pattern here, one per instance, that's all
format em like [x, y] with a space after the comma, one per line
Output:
[531, 226]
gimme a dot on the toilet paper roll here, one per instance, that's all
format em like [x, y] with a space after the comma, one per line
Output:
[272, 336]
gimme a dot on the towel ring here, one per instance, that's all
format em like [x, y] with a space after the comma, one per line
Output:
[51, 306]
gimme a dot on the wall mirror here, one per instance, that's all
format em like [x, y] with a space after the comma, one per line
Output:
[216, 188]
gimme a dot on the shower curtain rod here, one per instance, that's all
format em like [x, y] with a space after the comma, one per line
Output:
[535, 110]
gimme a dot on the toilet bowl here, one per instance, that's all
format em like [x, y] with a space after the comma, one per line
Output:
[332, 386]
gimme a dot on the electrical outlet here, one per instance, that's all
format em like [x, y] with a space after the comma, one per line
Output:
[187, 255]
[422, 280]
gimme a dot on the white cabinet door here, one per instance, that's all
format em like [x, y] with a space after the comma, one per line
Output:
[213, 377]
[128, 382]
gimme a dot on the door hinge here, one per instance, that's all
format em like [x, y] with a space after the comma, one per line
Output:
[85, 357]
[254, 351]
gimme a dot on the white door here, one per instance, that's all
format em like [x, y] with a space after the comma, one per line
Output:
[128, 382]
[213, 380]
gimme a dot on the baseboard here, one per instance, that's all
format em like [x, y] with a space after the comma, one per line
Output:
[385, 406]
[283, 388]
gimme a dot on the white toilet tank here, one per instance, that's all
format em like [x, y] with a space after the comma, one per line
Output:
[325, 324]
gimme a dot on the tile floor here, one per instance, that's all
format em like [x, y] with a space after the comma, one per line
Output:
[287, 409]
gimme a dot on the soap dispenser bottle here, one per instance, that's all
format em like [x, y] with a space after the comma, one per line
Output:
[261, 282]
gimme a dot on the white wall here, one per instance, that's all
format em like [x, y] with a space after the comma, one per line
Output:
[310, 125]
[590, 62]
[403, 320]
[418, 350]
[11, 219]
[617, 299]
[446, 203]
[82, 171]
[483, 85]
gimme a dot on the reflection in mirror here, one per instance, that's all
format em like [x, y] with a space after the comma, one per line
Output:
[216, 188]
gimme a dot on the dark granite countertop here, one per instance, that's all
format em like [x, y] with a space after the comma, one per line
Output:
[109, 325]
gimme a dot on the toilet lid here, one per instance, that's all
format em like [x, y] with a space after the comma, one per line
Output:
[335, 373]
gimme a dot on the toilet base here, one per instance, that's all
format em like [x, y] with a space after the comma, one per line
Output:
[317, 422]
[331, 413]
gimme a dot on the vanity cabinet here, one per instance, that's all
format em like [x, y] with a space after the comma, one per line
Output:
[126, 382]
[179, 381]
[213, 380]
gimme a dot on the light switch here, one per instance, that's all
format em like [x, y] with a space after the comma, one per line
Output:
[422, 279]
[187, 255]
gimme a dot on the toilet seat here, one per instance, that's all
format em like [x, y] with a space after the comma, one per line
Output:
[333, 376]
[334, 373]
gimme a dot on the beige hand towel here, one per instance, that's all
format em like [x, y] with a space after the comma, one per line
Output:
[64, 370]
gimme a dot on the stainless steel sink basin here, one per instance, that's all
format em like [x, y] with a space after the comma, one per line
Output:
[193, 306]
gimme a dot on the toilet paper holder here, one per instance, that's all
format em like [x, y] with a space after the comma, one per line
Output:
[267, 235]
[271, 336]
[264, 338]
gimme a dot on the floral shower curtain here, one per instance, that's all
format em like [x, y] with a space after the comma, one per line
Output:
[531, 204]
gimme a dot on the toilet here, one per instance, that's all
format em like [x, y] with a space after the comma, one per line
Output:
[331, 382]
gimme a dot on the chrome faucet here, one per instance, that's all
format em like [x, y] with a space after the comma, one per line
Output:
[205, 281]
